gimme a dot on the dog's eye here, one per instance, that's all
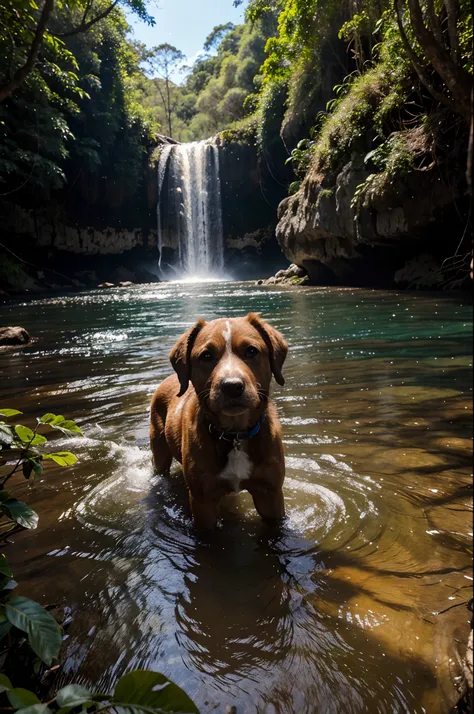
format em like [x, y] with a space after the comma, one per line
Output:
[251, 352]
[206, 356]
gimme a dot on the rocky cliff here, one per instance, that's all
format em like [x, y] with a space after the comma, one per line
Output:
[357, 227]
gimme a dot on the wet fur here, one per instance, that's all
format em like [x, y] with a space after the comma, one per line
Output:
[187, 402]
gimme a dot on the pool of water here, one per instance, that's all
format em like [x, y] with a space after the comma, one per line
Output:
[358, 603]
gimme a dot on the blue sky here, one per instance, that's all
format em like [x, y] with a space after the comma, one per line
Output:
[185, 23]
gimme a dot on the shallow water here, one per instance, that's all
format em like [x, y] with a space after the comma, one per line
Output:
[348, 608]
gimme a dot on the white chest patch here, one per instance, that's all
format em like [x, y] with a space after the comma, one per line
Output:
[237, 469]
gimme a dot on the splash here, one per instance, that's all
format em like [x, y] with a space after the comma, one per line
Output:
[189, 209]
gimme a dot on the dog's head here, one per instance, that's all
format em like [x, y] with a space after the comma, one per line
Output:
[230, 362]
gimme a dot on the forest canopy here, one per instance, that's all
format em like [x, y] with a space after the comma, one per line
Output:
[80, 98]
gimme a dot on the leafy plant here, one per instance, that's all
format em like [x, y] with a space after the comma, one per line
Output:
[24, 620]
[21, 450]
[300, 157]
[137, 691]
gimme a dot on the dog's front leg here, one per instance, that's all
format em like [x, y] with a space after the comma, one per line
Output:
[204, 502]
[205, 511]
[267, 494]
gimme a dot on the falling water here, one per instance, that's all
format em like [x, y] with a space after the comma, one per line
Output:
[189, 207]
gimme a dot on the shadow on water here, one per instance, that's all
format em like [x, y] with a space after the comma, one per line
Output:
[242, 615]
[338, 611]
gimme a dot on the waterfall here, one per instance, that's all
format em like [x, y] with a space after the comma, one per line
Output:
[189, 207]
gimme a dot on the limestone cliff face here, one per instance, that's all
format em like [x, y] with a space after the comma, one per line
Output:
[249, 195]
[51, 229]
[323, 228]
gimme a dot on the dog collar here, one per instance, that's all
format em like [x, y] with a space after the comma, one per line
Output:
[236, 437]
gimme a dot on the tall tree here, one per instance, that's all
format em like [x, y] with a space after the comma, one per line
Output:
[215, 37]
[29, 26]
[165, 60]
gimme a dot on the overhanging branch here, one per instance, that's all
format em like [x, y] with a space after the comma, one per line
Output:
[21, 73]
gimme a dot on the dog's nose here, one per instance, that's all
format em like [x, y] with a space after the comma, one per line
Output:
[232, 387]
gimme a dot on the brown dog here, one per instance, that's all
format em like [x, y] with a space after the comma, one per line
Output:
[223, 429]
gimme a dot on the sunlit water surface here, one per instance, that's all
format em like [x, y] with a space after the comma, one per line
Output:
[350, 607]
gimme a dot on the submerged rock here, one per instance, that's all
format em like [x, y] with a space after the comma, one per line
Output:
[13, 336]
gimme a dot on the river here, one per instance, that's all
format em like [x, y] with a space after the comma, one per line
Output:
[349, 608]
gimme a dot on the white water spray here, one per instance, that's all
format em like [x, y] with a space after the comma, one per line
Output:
[189, 202]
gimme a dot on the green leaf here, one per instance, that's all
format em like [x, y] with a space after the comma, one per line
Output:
[20, 512]
[48, 418]
[73, 695]
[4, 567]
[39, 439]
[24, 433]
[19, 698]
[37, 467]
[44, 633]
[6, 436]
[57, 421]
[5, 683]
[36, 709]
[142, 688]
[68, 427]
[5, 628]
[8, 585]
[4, 495]
[32, 466]
[63, 458]
[9, 412]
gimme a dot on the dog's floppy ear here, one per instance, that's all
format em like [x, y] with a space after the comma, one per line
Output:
[181, 353]
[277, 346]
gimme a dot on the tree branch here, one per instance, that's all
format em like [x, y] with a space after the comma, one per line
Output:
[452, 12]
[434, 21]
[417, 63]
[457, 80]
[21, 73]
[84, 26]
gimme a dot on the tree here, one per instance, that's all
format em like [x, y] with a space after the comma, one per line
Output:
[215, 37]
[27, 26]
[165, 60]
[438, 37]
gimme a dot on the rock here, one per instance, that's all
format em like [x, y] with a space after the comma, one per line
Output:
[126, 284]
[12, 336]
[322, 224]
[420, 272]
[294, 275]
[106, 285]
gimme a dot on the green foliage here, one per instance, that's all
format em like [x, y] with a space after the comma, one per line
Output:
[74, 115]
[21, 450]
[44, 634]
[138, 691]
[300, 157]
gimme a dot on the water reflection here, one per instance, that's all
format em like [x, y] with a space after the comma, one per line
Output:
[335, 612]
